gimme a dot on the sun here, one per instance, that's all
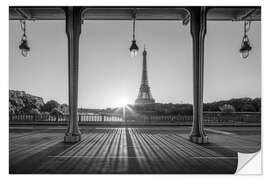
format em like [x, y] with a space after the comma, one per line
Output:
[121, 101]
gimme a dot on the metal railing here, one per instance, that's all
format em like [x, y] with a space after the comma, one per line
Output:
[209, 118]
[63, 118]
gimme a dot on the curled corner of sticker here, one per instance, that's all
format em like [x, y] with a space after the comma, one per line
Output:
[249, 163]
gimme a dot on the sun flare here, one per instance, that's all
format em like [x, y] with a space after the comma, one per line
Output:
[122, 101]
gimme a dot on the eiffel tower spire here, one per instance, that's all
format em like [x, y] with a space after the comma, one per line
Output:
[144, 96]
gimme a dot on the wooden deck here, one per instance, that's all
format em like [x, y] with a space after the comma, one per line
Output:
[127, 150]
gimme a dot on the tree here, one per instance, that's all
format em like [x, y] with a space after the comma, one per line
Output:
[50, 105]
[248, 107]
[239, 103]
[22, 103]
[257, 104]
[34, 111]
[56, 112]
[64, 108]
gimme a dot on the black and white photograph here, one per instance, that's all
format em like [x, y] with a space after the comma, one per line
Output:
[133, 89]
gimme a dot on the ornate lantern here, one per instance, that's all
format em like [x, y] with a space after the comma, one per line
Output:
[245, 46]
[133, 48]
[24, 47]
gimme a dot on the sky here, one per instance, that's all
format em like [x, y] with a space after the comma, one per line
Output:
[108, 76]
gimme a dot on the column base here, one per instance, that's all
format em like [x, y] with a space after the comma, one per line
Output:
[72, 138]
[199, 139]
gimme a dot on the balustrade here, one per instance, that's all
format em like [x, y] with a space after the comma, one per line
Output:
[209, 118]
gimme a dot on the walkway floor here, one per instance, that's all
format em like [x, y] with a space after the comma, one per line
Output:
[128, 150]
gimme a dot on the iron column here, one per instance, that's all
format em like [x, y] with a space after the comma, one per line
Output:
[73, 31]
[198, 31]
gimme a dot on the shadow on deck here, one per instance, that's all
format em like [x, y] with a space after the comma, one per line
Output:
[117, 150]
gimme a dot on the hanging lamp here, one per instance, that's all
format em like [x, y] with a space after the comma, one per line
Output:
[133, 48]
[24, 47]
[245, 45]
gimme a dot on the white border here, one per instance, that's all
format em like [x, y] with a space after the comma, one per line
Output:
[4, 76]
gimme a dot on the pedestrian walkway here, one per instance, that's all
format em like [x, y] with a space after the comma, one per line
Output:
[126, 150]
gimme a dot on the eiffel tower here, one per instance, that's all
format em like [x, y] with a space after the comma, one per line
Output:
[144, 96]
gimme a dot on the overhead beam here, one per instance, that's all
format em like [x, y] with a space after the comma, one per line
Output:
[186, 20]
[247, 15]
[166, 13]
[23, 14]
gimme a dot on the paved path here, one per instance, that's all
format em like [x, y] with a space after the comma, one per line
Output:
[127, 150]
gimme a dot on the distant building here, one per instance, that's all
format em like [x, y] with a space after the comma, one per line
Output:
[144, 96]
[227, 108]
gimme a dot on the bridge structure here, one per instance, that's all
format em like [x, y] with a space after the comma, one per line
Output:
[195, 16]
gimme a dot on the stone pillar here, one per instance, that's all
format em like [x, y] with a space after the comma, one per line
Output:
[73, 31]
[198, 31]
